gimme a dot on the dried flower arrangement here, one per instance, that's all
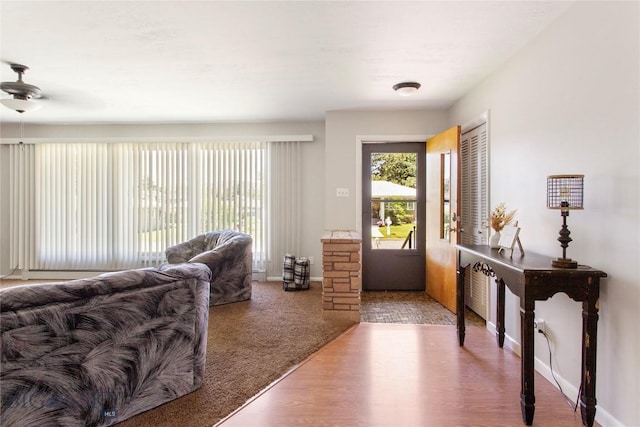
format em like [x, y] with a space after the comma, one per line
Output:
[500, 217]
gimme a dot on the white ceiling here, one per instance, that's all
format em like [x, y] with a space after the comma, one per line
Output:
[214, 61]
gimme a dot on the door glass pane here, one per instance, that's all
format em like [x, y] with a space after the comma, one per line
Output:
[393, 201]
[445, 218]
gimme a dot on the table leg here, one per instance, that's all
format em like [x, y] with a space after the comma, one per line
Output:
[500, 314]
[527, 396]
[589, 344]
[460, 303]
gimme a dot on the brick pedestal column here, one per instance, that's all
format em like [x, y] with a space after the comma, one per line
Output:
[342, 274]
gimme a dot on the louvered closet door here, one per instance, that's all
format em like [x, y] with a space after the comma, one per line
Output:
[475, 209]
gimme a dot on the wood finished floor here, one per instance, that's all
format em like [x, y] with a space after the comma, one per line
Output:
[402, 375]
[398, 375]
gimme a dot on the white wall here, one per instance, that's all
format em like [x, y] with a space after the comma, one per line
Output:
[569, 103]
[343, 128]
[312, 158]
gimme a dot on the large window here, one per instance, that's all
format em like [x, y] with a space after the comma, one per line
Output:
[104, 206]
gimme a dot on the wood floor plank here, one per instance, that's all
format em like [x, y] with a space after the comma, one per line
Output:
[405, 375]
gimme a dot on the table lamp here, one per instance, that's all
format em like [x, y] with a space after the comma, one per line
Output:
[565, 192]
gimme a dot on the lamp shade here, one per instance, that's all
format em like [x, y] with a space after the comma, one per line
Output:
[20, 105]
[565, 192]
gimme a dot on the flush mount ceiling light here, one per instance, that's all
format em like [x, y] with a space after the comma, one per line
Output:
[406, 88]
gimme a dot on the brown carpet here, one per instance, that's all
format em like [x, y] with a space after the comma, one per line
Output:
[250, 345]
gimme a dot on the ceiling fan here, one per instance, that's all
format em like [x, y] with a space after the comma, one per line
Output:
[21, 92]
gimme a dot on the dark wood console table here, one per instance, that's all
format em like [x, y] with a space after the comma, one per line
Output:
[532, 278]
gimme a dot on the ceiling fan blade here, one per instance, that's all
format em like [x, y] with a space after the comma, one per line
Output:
[72, 98]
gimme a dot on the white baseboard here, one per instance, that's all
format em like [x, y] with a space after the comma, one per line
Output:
[604, 418]
[70, 275]
[258, 275]
[509, 342]
[58, 275]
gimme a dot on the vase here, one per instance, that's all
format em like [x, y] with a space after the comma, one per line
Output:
[494, 239]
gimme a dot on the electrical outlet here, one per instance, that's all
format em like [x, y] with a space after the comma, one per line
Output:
[310, 260]
[539, 325]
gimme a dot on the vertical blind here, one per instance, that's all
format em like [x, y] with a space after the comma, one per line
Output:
[22, 208]
[105, 206]
[285, 189]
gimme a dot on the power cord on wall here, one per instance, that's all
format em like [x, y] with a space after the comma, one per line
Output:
[566, 398]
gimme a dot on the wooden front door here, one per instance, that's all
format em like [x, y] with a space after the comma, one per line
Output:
[442, 216]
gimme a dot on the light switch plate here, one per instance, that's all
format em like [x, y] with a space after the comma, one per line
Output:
[342, 192]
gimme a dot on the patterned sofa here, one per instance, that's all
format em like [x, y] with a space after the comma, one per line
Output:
[95, 352]
[228, 254]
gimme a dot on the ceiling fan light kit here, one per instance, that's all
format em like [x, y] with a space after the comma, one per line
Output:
[406, 88]
[20, 105]
[21, 92]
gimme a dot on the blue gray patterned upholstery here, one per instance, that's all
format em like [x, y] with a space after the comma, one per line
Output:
[229, 256]
[94, 352]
